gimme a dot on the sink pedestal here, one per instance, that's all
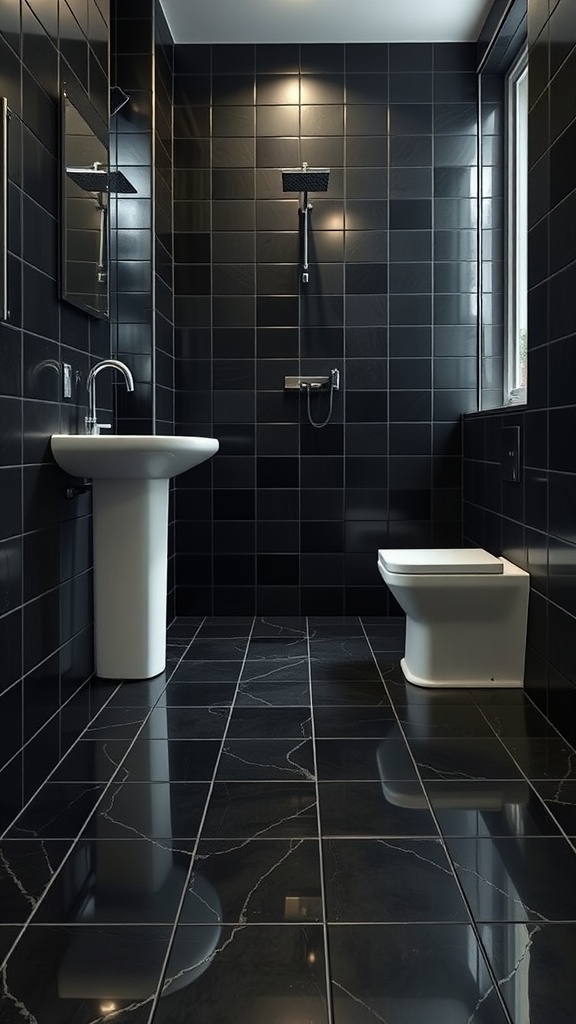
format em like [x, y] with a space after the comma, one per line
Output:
[130, 577]
[130, 474]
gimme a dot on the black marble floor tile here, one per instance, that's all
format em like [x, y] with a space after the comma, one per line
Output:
[468, 758]
[392, 880]
[517, 879]
[534, 965]
[273, 691]
[11, 791]
[410, 974]
[225, 630]
[266, 760]
[116, 723]
[187, 723]
[26, 869]
[383, 640]
[170, 761]
[323, 627]
[185, 626]
[216, 650]
[371, 809]
[138, 693]
[270, 723]
[207, 671]
[58, 974]
[518, 720]
[260, 974]
[543, 757]
[174, 653]
[208, 695]
[8, 936]
[91, 760]
[103, 869]
[58, 811]
[270, 810]
[284, 626]
[364, 759]
[489, 808]
[133, 810]
[560, 799]
[277, 670]
[404, 695]
[349, 692]
[119, 881]
[455, 720]
[349, 650]
[351, 665]
[500, 697]
[259, 881]
[261, 648]
[352, 722]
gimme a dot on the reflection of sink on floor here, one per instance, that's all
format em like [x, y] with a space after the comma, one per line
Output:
[130, 508]
[110, 961]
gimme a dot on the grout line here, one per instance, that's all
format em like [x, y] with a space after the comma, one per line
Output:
[196, 842]
[472, 921]
[329, 1003]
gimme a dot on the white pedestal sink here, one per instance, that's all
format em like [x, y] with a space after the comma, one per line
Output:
[130, 476]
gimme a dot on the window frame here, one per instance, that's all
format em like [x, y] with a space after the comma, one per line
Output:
[516, 230]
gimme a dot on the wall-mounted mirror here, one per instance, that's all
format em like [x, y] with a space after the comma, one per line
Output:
[87, 183]
[3, 208]
[84, 208]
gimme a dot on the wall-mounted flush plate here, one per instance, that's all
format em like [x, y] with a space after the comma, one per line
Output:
[510, 456]
[66, 380]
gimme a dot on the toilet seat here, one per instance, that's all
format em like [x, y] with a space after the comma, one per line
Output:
[440, 562]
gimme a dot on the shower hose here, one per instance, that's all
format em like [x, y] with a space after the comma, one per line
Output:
[308, 388]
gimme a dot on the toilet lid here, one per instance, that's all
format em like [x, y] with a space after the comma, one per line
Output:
[441, 560]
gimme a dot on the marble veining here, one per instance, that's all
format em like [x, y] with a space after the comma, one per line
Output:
[279, 820]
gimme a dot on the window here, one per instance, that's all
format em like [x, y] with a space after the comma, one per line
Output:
[516, 296]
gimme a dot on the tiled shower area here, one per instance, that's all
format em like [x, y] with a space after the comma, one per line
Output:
[279, 829]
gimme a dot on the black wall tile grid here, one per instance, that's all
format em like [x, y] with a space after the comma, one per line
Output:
[533, 527]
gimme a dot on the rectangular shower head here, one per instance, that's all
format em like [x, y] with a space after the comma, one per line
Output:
[305, 179]
[92, 179]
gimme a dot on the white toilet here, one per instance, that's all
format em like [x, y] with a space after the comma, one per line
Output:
[466, 614]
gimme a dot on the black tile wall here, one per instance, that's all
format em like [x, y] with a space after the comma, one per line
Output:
[298, 512]
[531, 522]
[45, 562]
[142, 236]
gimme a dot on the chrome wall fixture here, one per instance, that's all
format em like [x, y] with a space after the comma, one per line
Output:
[304, 180]
[315, 384]
[4, 119]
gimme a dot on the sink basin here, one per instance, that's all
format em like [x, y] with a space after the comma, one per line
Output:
[130, 456]
[130, 484]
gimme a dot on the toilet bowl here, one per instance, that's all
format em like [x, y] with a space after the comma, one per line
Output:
[466, 614]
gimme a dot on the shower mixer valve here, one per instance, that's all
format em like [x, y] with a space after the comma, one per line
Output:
[332, 381]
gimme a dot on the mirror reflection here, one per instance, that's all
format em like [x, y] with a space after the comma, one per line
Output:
[84, 213]
[87, 184]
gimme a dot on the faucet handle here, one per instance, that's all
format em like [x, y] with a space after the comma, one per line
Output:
[104, 426]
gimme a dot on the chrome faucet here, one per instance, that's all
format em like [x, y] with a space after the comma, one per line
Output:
[92, 425]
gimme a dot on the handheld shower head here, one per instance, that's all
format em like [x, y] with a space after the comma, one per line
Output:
[305, 179]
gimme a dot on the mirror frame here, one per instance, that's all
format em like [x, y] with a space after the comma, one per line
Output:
[73, 97]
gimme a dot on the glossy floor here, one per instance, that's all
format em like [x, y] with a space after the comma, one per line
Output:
[280, 830]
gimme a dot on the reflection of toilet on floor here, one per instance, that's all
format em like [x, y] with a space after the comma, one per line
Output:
[466, 614]
[477, 795]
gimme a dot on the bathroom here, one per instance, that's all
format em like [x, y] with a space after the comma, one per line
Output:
[272, 543]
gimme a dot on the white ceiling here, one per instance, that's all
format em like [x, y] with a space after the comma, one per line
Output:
[325, 21]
